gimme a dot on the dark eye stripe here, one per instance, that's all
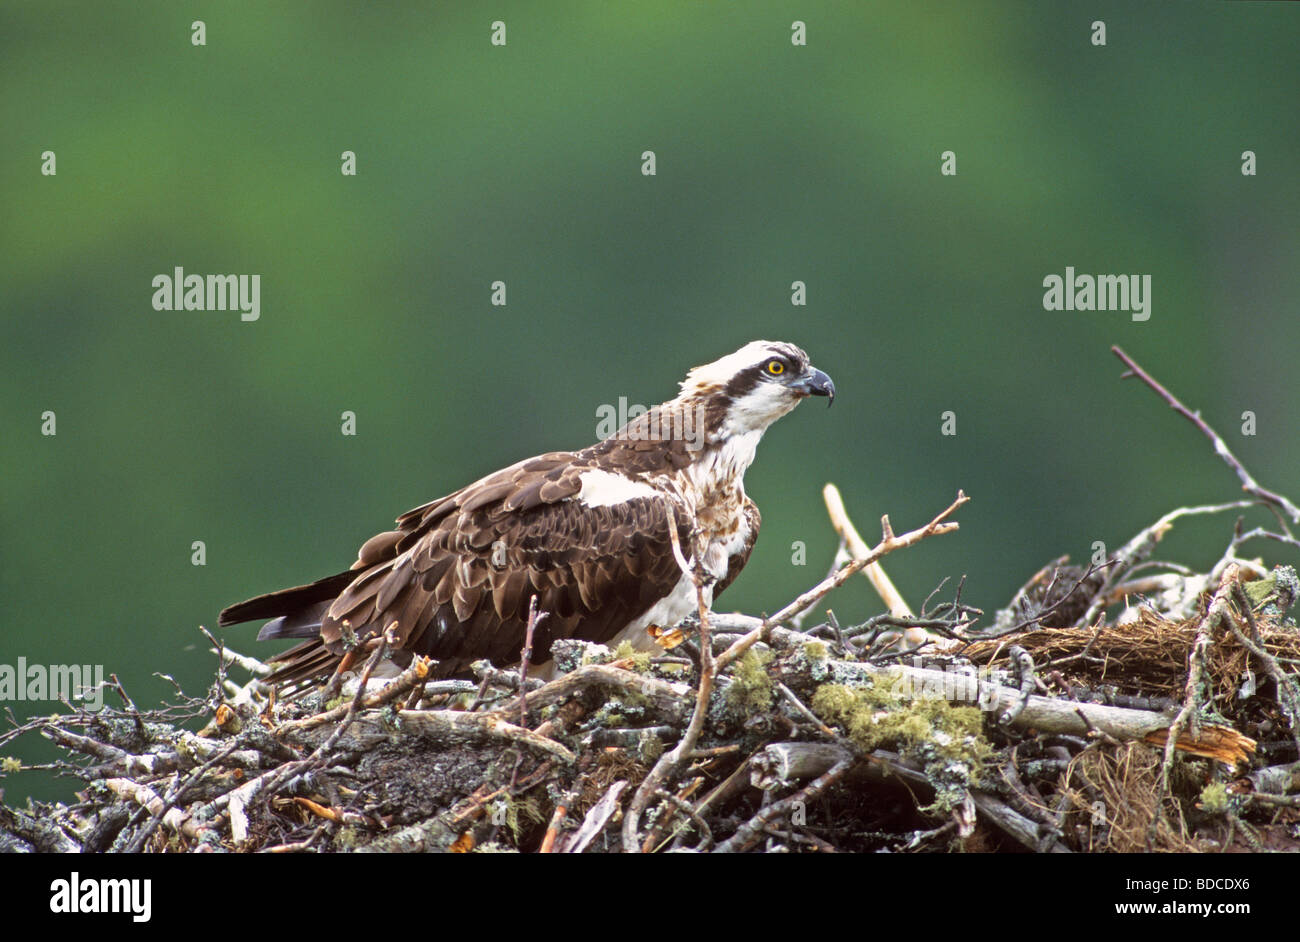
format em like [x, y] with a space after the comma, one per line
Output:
[744, 381]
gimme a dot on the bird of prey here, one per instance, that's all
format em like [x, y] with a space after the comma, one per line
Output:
[584, 532]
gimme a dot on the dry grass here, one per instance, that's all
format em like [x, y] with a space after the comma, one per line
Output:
[1147, 656]
[1123, 782]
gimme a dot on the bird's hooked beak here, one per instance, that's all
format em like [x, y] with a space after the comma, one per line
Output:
[816, 383]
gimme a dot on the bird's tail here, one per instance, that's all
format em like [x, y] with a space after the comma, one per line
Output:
[294, 608]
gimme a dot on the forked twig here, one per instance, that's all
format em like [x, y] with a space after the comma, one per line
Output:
[1248, 483]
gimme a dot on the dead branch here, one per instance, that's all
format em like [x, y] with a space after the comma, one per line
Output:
[1187, 717]
[750, 832]
[1248, 483]
[664, 697]
[888, 544]
[857, 548]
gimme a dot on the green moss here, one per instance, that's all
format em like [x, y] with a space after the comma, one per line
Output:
[1278, 590]
[183, 748]
[815, 651]
[633, 702]
[912, 727]
[948, 741]
[929, 728]
[640, 659]
[750, 690]
[1214, 798]
[834, 702]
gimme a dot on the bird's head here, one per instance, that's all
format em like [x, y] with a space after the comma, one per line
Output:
[750, 389]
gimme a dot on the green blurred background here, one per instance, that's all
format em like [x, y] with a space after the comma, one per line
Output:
[522, 163]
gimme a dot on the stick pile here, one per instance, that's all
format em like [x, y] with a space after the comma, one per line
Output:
[1129, 705]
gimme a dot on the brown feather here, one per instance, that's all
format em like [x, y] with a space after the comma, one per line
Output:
[458, 573]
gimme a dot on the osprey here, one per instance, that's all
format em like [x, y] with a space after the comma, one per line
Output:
[585, 532]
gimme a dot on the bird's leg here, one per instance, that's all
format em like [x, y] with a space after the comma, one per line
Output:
[666, 638]
[335, 683]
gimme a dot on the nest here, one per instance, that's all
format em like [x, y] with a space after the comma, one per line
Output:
[811, 740]
[1145, 656]
[1073, 724]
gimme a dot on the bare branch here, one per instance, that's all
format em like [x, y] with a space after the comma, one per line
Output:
[1248, 483]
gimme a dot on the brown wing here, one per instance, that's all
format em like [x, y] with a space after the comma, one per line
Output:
[458, 573]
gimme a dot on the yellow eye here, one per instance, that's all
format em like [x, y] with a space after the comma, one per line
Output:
[775, 367]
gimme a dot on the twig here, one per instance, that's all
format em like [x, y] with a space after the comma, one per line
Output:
[173, 798]
[1038, 617]
[751, 831]
[175, 819]
[1025, 668]
[557, 819]
[808, 714]
[595, 821]
[241, 797]
[679, 802]
[670, 760]
[385, 642]
[444, 723]
[662, 696]
[219, 682]
[888, 543]
[1142, 545]
[534, 616]
[1187, 718]
[1286, 801]
[413, 676]
[839, 559]
[1248, 483]
[1286, 691]
[130, 704]
[251, 664]
[858, 548]
[682, 564]
[1259, 533]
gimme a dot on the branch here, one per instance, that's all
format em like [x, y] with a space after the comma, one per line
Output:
[888, 543]
[414, 675]
[1044, 714]
[664, 697]
[1248, 483]
[858, 548]
[750, 832]
[670, 760]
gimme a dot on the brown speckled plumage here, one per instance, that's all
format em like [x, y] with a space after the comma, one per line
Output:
[457, 574]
